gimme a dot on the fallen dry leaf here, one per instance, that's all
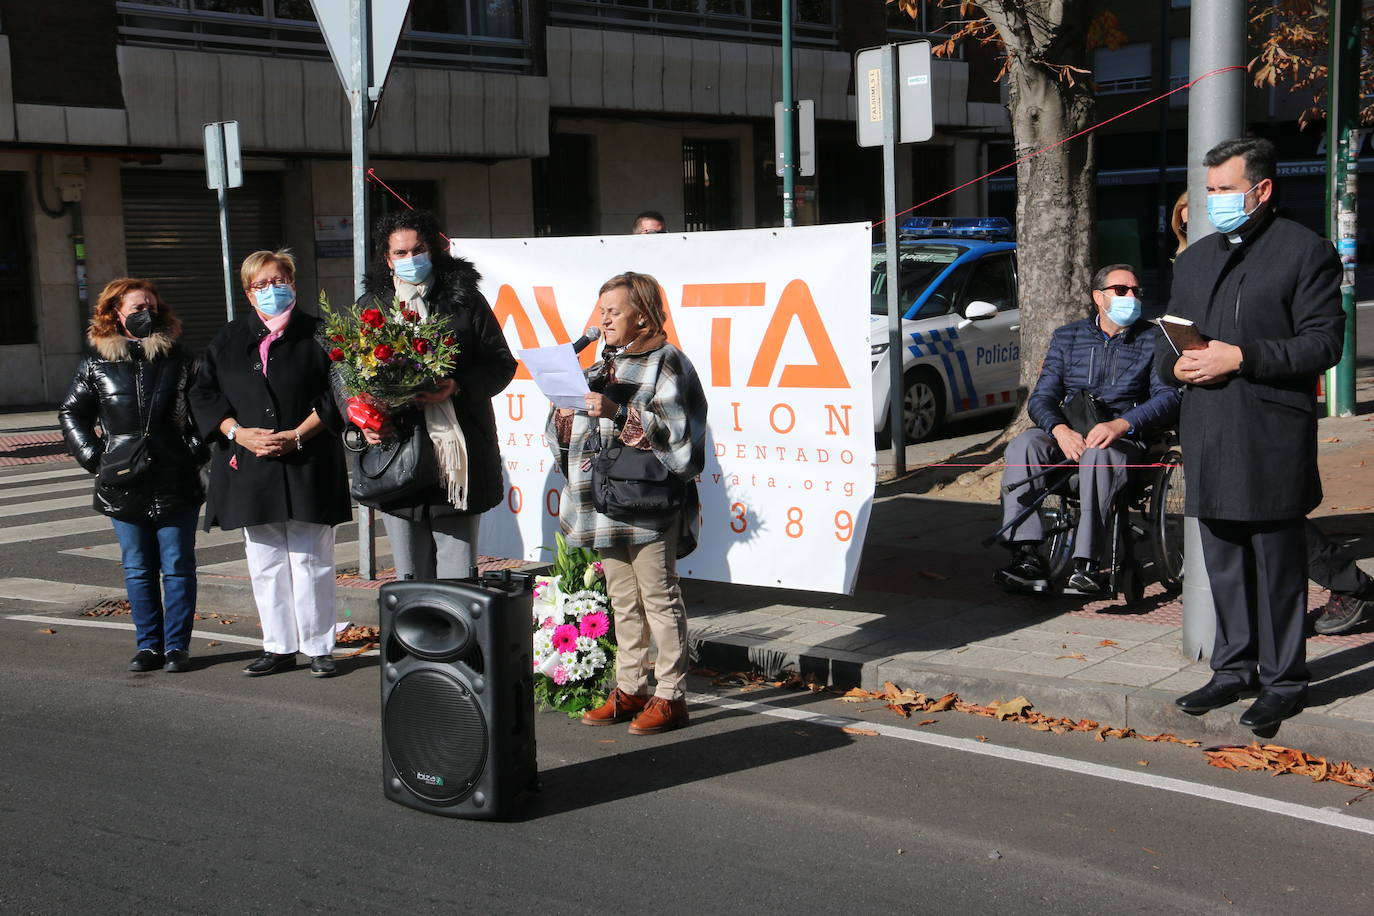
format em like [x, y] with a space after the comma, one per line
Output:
[1109, 642]
[850, 730]
[933, 721]
[1149, 850]
[1077, 656]
[214, 642]
[49, 631]
[1332, 439]
[981, 737]
[1015, 707]
[360, 650]
[943, 704]
[1142, 763]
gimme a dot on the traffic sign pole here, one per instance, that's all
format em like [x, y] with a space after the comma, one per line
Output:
[360, 21]
[888, 100]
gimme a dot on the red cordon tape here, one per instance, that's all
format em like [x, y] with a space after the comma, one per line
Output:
[1086, 130]
[372, 176]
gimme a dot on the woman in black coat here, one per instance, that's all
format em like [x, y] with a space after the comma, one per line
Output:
[435, 534]
[134, 386]
[262, 400]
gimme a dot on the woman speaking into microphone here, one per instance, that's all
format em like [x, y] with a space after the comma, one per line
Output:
[645, 421]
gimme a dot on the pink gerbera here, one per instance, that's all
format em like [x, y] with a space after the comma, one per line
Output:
[560, 675]
[565, 638]
[595, 624]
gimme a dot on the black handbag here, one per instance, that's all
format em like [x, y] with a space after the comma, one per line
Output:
[631, 485]
[131, 460]
[1083, 410]
[395, 472]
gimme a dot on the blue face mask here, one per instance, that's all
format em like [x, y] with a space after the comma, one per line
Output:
[1123, 310]
[414, 269]
[273, 300]
[1227, 211]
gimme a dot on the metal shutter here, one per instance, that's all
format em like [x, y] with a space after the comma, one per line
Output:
[171, 230]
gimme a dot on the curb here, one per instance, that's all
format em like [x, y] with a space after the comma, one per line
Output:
[1144, 709]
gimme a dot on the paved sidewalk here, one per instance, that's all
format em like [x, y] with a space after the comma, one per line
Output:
[926, 615]
[30, 437]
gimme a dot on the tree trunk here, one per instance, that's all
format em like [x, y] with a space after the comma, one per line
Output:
[1056, 190]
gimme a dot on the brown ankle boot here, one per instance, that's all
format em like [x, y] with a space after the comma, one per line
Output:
[619, 707]
[659, 715]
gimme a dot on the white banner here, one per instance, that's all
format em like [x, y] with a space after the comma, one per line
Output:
[776, 323]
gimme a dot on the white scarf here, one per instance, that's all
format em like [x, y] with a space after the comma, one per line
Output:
[450, 448]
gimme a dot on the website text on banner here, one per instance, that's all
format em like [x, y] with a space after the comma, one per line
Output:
[777, 327]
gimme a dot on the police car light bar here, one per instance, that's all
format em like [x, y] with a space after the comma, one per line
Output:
[983, 227]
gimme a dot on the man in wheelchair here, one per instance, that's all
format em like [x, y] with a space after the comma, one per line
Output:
[1096, 402]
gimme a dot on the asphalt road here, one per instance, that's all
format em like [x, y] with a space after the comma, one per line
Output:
[212, 792]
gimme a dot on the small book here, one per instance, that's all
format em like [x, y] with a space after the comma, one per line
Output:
[1181, 333]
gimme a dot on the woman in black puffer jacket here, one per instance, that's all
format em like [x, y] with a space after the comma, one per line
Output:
[133, 383]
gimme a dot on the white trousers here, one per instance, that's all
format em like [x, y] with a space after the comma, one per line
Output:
[292, 566]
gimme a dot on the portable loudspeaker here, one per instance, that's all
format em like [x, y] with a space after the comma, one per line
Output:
[458, 694]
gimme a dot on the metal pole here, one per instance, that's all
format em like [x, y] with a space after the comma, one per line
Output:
[223, 196]
[789, 108]
[1216, 112]
[896, 420]
[1342, 188]
[360, 13]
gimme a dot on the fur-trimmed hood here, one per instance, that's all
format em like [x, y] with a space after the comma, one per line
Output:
[115, 347]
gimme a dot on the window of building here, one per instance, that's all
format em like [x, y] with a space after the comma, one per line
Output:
[565, 198]
[708, 185]
[1127, 69]
[16, 288]
[1178, 71]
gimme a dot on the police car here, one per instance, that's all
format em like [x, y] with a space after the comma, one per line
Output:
[961, 329]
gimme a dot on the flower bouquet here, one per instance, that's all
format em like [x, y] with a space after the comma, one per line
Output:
[387, 357]
[574, 645]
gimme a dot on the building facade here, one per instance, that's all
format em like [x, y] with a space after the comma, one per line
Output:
[507, 117]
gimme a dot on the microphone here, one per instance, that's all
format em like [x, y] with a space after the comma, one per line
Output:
[585, 340]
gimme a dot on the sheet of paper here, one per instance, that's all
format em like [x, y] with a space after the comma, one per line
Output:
[558, 374]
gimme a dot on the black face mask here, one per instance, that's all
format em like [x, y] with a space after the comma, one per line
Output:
[140, 324]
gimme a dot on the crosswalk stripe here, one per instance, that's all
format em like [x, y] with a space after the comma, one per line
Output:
[45, 489]
[45, 505]
[212, 635]
[205, 540]
[50, 592]
[43, 475]
[43, 530]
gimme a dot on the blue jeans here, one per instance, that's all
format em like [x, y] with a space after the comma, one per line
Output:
[165, 550]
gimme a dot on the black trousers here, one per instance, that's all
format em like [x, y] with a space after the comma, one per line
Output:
[1329, 568]
[1258, 574]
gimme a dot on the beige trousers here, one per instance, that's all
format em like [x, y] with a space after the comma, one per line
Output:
[647, 600]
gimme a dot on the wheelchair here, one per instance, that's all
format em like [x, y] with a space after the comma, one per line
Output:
[1144, 527]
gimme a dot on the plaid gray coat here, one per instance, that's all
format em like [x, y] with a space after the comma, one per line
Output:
[663, 386]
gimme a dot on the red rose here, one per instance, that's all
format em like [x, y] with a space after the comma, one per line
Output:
[383, 352]
[336, 354]
[449, 341]
[420, 345]
[337, 338]
[372, 317]
[410, 315]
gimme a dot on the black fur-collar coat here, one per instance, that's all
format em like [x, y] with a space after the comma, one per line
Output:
[485, 367]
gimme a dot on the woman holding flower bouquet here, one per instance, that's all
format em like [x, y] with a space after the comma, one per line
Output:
[433, 533]
[646, 395]
[263, 401]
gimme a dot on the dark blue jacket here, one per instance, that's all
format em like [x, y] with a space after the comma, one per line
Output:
[1116, 369]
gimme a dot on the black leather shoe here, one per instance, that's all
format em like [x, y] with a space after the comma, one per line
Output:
[1211, 695]
[1085, 581]
[146, 660]
[177, 660]
[271, 663]
[322, 666]
[1270, 709]
[1027, 572]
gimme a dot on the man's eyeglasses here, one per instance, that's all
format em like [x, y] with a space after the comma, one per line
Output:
[1121, 289]
[263, 284]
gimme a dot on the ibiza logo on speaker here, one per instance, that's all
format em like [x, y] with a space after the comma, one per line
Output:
[431, 780]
